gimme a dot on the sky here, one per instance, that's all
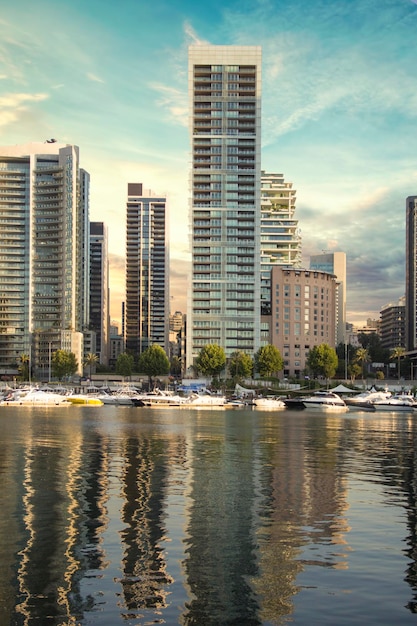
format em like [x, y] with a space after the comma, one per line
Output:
[339, 115]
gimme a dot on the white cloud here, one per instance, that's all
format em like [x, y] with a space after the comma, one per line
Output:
[13, 105]
[192, 35]
[174, 100]
[94, 78]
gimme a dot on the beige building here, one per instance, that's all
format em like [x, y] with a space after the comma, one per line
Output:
[303, 314]
[335, 263]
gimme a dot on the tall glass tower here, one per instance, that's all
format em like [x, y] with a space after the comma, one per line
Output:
[147, 270]
[44, 245]
[225, 131]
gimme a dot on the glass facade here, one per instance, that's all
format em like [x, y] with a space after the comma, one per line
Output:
[224, 293]
[43, 247]
[147, 261]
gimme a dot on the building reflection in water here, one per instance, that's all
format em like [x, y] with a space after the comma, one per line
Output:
[145, 579]
[264, 500]
[255, 503]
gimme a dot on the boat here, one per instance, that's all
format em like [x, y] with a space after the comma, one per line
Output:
[158, 399]
[397, 403]
[204, 400]
[268, 403]
[85, 399]
[33, 396]
[325, 401]
[366, 400]
[123, 396]
[235, 403]
[294, 403]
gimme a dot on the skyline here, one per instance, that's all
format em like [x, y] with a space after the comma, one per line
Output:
[338, 113]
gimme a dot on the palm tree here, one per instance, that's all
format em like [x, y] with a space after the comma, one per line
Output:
[24, 366]
[397, 353]
[362, 357]
[90, 360]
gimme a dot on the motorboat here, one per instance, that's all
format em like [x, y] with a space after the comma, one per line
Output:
[158, 399]
[325, 401]
[33, 396]
[123, 396]
[85, 399]
[367, 399]
[397, 403]
[204, 400]
[268, 403]
[294, 403]
[236, 403]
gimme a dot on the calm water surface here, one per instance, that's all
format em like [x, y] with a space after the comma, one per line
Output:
[141, 516]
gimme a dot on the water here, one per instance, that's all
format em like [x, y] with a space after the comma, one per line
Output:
[142, 516]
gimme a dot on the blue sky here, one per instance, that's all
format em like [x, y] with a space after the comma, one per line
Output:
[339, 108]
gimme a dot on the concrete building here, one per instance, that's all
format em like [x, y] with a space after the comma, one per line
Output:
[280, 234]
[392, 325]
[99, 290]
[303, 314]
[147, 271]
[225, 132]
[44, 244]
[411, 275]
[335, 263]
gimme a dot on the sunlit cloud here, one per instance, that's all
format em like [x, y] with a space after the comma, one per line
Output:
[12, 105]
[191, 35]
[173, 100]
[94, 78]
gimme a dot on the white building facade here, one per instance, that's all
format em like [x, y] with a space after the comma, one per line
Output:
[44, 243]
[147, 271]
[280, 233]
[225, 131]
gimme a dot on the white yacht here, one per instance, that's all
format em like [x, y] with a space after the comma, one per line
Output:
[397, 403]
[268, 403]
[158, 399]
[204, 400]
[123, 396]
[325, 401]
[33, 396]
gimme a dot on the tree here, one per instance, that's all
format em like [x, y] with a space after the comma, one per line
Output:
[64, 363]
[90, 360]
[24, 366]
[211, 360]
[397, 353]
[354, 370]
[175, 366]
[240, 365]
[361, 357]
[372, 343]
[124, 364]
[154, 362]
[322, 360]
[268, 360]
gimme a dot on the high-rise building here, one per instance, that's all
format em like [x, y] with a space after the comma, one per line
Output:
[392, 324]
[99, 290]
[147, 271]
[411, 274]
[225, 130]
[44, 243]
[335, 263]
[280, 234]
